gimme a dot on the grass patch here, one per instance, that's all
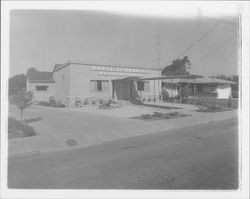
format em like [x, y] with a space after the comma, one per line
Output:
[18, 129]
[209, 104]
[160, 116]
[211, 107]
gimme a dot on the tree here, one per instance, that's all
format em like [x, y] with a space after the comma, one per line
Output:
[178, 67]
[16, 84]
[22, 100]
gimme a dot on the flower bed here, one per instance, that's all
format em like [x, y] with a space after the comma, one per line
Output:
[111, 104]
[160, 116]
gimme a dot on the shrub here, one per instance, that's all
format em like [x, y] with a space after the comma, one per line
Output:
[59, 104]
[101, 101]
[166, 116]
[43, 103]
[146, 116]
[19, 129]
[161, 115]
[158, 114]
[86, 102]
[78, 102]
[52, 101]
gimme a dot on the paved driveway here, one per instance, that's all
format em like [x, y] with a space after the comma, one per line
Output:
[91, 127]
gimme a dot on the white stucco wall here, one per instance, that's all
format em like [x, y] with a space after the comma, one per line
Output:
[41, 95]
[223, 91]
[81, 75]
[62, 85]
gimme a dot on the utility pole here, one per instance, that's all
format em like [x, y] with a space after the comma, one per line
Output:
[158, 46]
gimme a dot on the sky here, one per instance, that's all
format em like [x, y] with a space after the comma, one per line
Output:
[43, 38]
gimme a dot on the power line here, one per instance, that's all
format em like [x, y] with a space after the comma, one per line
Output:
[213, 51]
[207, 48]
[202, 37]
[220, 21]
[195, 43]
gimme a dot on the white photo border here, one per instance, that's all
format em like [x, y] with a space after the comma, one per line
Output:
[173, 9]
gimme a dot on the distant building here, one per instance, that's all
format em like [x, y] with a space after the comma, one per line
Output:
[41, 83]
[81, 80]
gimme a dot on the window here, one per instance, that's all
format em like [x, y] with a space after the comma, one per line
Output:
[143, 86]
[99, 85]
[42, 88]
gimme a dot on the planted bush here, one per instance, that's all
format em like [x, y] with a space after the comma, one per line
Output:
[19, 129]
[161, 115]
[59, 104]
[52, 104]
[44, 103]
[52, 101]
[86, 102]
[146, 116]
[101, 101]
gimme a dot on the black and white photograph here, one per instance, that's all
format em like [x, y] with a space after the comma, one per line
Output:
[116, 96]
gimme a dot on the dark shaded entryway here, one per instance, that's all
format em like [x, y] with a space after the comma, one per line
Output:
[125, 89]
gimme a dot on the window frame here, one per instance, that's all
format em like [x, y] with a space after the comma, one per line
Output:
[41, 90]
[100, 82]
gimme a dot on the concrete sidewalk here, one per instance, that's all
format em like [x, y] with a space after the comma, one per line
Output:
[89, 129]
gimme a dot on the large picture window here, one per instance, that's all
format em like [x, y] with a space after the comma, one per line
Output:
[143, 86]
[41, 88]
[99, 85]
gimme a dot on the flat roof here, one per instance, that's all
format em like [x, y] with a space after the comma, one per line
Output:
[61, 66]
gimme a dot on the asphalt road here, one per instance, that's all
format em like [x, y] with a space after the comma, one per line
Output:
[199, 157]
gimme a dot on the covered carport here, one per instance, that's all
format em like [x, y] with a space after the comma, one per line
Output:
[172, 80]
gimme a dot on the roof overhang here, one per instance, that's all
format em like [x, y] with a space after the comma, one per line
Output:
[127, 78]
[42, 81]
[173, 77]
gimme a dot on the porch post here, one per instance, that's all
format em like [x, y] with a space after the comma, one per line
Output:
[129, 84]
[113, 95]
[193, 90]
[121, 91]
[180, 93]
[172, 93]
[159, 90]
[154, 91]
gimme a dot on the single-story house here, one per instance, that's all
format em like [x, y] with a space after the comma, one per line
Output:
[78, 81]
[41, 83]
